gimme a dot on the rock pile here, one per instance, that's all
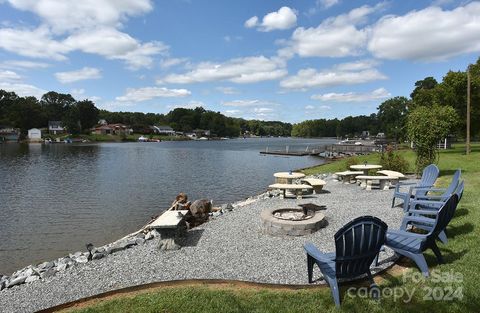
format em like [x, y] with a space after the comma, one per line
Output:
[45, 270]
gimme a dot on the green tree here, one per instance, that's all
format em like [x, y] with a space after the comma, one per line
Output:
[71, 120]
[55, 105]
[392, 115]
[87, 114]
[427, 83]
[426, 126]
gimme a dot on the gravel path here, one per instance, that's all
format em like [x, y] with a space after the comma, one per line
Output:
[230, 246]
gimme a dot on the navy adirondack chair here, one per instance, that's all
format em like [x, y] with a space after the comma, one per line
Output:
[429, 176]
[412, 245]
[356, 245]
[429, 209]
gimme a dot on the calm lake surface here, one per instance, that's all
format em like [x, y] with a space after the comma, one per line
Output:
[56, 198]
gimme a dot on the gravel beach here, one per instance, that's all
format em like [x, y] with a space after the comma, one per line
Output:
[230, 246]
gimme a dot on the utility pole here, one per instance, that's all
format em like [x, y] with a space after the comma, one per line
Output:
[467, 151]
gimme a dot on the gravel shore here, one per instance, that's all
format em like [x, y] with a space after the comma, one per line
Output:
[230, 246]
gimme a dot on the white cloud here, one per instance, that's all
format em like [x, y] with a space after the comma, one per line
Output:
[380, 93]
[284, 18]
[63, 16]
[11, 81]
[232, 112]
[90, 26]
[81, 74]
[263, 110]
[148, 93]
[169, 62]
[79, 94]
[357, 65]
[22, 89]
[327, 3]
[114, 44]
[257, 113]
[240, 70]
[36, 43]
[321, 4]
[334, 37]
[22, 64]
[427, 35]
[8, 76]
[251, 22]
[341, 74]
[227, 90]
[189, 105]
[247, 103]
[309, 107]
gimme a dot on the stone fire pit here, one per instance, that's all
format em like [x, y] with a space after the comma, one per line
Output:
[291, 221]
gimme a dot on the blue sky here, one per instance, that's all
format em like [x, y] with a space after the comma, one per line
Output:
[270, 60]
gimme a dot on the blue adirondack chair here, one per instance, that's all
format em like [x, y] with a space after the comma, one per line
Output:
[356, 245]
[429, 176]
[429, 209]
[446, 192]
[412, 245]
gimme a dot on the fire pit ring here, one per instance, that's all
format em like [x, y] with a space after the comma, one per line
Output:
[287, 221]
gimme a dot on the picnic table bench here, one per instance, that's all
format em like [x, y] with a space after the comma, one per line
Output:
[348, 176]
[296, 188]
[171, 225]
[316, 183]
[385, 181]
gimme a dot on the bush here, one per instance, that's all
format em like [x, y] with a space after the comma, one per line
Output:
[389, 160]
[351, 161]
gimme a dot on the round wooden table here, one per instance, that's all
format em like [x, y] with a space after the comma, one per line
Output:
[365, 168]
[287, 177]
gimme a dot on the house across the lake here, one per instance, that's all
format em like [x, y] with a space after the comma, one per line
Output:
[55, 127]
[164, 130]
[34, 135]
[9, 134]
[113, 129]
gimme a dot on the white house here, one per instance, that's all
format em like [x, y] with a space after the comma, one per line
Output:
[55, 127]
[34, 134]
[164, 130]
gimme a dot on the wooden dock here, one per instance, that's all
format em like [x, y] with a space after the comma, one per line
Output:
[289, 153]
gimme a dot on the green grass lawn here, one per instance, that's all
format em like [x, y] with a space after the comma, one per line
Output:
[462, 256]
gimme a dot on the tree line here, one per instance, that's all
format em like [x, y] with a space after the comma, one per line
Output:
[80, 116]
[391, 118]
[392, 115]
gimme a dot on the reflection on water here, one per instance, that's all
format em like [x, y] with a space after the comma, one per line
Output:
[55, 198]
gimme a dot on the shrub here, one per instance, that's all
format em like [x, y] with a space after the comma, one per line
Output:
[351, 161]
[389, 160]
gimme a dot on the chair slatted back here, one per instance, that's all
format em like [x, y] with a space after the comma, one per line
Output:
[444, 216]
[459, 190]
[453, 184]
[357, 243]
[429, 176]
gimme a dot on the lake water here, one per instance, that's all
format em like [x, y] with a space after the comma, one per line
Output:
[56, 198]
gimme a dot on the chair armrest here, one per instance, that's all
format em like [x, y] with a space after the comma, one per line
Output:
[431, 189]
[416, 212]
[405, 183]
[419, 188]
[316, 254]
[433, 197]
[426, 203]
[404, 233]
[416, 219]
